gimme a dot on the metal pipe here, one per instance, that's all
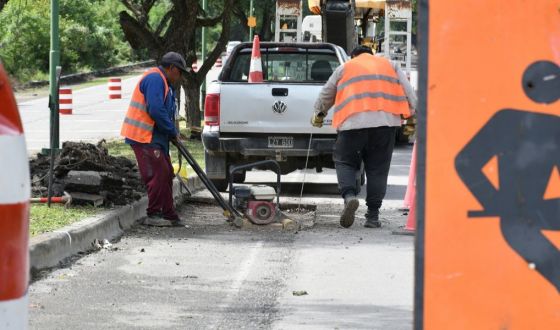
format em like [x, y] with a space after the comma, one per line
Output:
[203, 56]
[66, 199]
[251, 10]
[54, 61]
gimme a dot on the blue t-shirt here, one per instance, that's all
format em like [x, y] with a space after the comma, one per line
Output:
[160, 108]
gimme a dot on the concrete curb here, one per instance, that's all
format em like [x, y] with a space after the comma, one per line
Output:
[50, 249]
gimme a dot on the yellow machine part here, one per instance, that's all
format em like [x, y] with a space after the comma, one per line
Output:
[375, 4]
[315, 5]
[183, 173]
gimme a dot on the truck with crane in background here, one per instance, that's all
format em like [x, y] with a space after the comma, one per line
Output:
[247, 122]
[383, 25]
[348, 23]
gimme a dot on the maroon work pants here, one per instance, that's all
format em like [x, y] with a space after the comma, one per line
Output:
[157, 173]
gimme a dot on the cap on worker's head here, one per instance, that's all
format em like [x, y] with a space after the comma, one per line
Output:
[361, 50]
[175, 59]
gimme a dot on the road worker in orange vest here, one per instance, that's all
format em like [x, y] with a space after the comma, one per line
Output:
[369, 95]
[148, 127]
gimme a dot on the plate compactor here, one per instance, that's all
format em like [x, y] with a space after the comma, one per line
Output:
[255, 203]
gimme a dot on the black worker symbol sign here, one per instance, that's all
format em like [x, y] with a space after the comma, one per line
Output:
[526, 198]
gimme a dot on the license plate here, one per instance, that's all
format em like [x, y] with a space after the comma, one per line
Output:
[280, 142]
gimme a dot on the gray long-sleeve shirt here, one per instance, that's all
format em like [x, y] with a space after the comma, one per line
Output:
[366, 119]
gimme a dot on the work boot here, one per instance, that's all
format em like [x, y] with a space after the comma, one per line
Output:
[156, 221]
[179, 223]
[372, 219]
[176, 221]
[351, 204]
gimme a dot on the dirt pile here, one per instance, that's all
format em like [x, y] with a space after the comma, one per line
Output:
[88, 168]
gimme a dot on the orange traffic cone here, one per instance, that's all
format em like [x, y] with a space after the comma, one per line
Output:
[411, 219]
[411, 187]
[410, 227]
[255, 71]
[410, 199]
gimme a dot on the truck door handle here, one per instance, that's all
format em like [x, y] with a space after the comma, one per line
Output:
[279, 92]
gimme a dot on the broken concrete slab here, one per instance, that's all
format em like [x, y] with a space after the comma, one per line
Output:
[83, 178]
[87, 199]
[87, 168]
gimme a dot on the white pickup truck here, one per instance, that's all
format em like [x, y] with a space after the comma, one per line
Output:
[244, 122]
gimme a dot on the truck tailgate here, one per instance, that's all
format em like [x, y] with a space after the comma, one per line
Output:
[263, 108]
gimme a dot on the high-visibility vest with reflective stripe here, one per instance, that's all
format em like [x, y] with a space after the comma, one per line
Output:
[368, 83]
[138, 125]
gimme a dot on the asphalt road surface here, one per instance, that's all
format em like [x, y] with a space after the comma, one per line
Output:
[214, 276]
[94, 116]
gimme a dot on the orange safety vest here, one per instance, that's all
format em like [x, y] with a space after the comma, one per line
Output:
[368, 83]
[138, 125]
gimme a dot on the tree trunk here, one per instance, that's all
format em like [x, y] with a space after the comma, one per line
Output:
[192, 95]
[177, 32]
[268, 15]
[2, 4]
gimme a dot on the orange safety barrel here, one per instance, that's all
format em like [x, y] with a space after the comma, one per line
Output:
[14, 212]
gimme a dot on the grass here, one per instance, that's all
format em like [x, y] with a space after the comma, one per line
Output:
[31, 93]
[119, 148]
[102, 80]
[44, 219]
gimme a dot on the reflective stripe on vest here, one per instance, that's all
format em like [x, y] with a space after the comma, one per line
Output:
[138, 125]
[138, 105]
[368, 83]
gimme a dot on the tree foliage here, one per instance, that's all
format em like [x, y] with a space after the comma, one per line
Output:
[2, 4]
[264, 11]
[90, 37]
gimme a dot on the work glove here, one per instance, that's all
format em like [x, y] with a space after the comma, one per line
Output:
[317, 119]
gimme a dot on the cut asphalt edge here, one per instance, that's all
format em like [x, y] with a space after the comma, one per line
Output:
[50, 249]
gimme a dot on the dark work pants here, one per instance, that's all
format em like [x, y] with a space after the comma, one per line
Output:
[157, 173]
[374, 146]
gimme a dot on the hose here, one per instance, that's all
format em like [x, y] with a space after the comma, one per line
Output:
[305, 169]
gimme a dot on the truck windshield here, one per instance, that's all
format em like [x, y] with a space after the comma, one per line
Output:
[292, 67]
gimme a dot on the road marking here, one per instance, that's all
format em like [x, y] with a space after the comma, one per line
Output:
[81, 131]
[88, 120]
[397, 180]
[240, 277]
[14, 313]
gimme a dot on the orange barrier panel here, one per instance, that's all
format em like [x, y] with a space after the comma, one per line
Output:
[488, 153]
[14, 213]
[65, 101]
[115, 88]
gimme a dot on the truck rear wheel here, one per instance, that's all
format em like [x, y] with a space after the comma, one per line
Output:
[220, 184]
[239, 177]
[216, 169]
